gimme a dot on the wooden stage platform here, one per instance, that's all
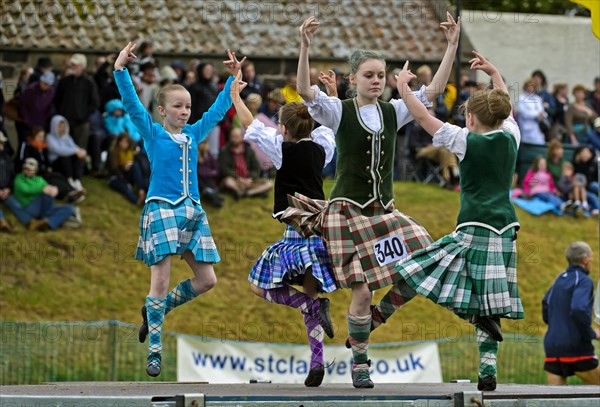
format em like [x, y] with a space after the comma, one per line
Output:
[155, 394]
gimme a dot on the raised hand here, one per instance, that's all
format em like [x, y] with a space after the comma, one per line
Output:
[404, 77]
[330, 82]
[479, 63]
[233, 65]
[451, 29]
[125, 56]
[307, 30]
[237, 85]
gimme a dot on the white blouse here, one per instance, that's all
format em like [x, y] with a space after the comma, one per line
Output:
[454, 138]
[269, 141]
[327, 110]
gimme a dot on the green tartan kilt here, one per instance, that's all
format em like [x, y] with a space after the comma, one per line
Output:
[472, 271]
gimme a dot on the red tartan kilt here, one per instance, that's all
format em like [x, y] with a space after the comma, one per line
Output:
[350, 233]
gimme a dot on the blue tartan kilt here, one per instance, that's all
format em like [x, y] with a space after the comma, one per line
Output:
[287, 260]
[472, 271]
[167, 229]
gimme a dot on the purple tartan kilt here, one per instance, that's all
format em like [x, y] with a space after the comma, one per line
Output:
[286, 262]
[350, 234]
[167, 229]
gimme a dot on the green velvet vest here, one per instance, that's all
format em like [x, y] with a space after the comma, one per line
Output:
[365, 159]
[486, 175]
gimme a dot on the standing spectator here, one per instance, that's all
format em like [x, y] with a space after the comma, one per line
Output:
[20, 126]
[240, 169]
[249, 76]
[36, 103]
[148, 85]
[561, 101]
[538, 183]
[36, 197]
[65, 155]
[567, 309]
[594, 96]
[204, 93]
[541, 85]
[76, 99]
[555, 159]
[145, 57]
[44, 64]
[531, 113]
[579, 117]
[179, 69]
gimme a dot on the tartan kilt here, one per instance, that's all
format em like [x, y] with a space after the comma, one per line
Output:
[286, 261]
[472, 271]
[167, 229]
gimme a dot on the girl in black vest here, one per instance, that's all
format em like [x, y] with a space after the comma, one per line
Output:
[473, 270]
[299, 158]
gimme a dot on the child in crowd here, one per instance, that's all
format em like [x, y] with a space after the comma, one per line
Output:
[173, 221]
[299, 155]
[538, 183]
[65, 155]
[125, 171]
[473, 270]
[572, 190]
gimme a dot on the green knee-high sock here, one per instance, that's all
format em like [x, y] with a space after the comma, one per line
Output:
[396, 297]
[488, 349]
[359, 329]
[182, 293]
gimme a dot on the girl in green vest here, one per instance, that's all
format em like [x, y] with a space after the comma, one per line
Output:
[473, 271]
[364, 234]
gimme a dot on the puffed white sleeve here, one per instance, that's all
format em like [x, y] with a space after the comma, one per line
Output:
[510, 126]
[403, 116]
[324, 137]
[452, 137]
[267, 140]
[326, 110]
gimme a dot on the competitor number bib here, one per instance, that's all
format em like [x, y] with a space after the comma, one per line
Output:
[391, 249]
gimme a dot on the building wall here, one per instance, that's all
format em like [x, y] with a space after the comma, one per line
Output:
[564, 48]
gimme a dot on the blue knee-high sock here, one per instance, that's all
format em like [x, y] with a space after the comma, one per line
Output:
[179, 295]
[155, 309]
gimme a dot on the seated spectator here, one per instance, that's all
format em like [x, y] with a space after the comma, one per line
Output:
[555, 159]
[36, 147]
[579, 117]
[240, 169]
[36, 103]
[593, 98]
[208, 176]
[117, 121]
[531, 114]
[567, 309]
[289, 92]
[538, 183]
[586, 173]
[7, 174]
[35, 198]
[594, 136]
[65, 156]
[270, 107]
[572, 192]
[125, 171]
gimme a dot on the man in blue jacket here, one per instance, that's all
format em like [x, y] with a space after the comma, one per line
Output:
[567, 309]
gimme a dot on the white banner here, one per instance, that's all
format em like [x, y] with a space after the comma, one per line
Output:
[240, 362]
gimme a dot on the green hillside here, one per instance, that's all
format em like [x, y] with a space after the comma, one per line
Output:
[89, 274]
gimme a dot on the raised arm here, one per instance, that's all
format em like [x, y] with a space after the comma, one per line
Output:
[241, 109]
[417, 109]
[440, 79]
[307, 29]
